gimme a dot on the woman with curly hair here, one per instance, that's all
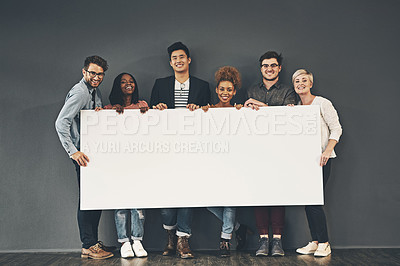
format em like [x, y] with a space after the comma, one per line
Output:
[125, 95]
[228, 82]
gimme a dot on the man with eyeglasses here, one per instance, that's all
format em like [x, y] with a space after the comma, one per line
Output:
[179, 91]
[85, 95]
[270, 92]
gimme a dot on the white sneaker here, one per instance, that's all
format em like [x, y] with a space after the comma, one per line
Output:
[309, 249]
[138, 249]
[126, 250]
[323, 250]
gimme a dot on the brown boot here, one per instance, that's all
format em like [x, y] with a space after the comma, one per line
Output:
[183, 248]
[170, 248]
[95, 252]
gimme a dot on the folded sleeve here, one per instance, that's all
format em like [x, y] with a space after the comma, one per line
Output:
[73, 104]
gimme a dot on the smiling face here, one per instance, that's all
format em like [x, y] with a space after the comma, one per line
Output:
[270, 69]
[93, 75]
[127, 84]
[179, 61]
[302, 84]
[225, 92]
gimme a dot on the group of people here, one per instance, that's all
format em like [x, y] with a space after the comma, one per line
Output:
[182, 90]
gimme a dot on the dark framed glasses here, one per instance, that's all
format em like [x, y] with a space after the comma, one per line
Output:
[93, 74]
[271, 65]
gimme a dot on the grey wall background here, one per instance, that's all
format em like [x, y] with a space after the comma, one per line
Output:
[350, 46]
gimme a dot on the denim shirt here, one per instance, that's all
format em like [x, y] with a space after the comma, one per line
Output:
[68, 120]
[277, 95]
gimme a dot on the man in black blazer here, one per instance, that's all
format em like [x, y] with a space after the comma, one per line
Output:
[179, 91]
[182, 89]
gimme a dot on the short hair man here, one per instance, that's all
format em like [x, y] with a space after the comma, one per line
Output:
[85, 95]
[179, 91]
[270, 92]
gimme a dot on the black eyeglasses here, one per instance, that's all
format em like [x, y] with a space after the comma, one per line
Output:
[271, 65]
[93, 74]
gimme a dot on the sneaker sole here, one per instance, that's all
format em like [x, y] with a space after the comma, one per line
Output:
[306, 253]
[261, 254]
[277, 254]
[127, 257]
[320, 255]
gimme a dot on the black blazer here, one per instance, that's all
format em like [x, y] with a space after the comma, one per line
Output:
[163, 92]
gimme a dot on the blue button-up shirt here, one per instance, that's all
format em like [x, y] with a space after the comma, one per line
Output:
[68, 120]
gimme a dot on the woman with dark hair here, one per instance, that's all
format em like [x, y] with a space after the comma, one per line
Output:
[125, 95]
[331, 130]
[228, 82]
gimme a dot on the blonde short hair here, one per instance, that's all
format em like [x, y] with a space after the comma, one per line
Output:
[302, 72]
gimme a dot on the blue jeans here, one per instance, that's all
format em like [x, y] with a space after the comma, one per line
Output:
[122, 224]
[227, 216]
[179, 219]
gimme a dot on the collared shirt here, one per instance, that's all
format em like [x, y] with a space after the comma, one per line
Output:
[68, 120]
[181, 93]
[277, 95]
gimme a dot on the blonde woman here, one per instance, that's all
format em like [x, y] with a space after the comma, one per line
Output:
[331, 131]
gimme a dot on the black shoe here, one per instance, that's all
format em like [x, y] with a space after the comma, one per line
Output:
[224, 248]
[277, 249]
[241, 236]
[264, 247]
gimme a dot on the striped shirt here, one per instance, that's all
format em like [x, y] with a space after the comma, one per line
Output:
[181, 93]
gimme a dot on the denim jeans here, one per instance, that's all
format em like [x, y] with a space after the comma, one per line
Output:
[122, 224]
[88, 221]
[227, 216]
[179, 219]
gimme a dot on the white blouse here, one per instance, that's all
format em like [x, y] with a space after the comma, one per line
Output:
[330, 126]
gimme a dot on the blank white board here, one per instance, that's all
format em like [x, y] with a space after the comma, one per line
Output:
[223, 157]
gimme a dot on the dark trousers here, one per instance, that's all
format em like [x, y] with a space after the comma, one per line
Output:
[316, 215]
[88, 221]
[265, 215]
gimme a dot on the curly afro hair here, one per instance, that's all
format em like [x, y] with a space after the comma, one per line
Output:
[228, 73]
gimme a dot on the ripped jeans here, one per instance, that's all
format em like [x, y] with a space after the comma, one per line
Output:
[122, 224]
